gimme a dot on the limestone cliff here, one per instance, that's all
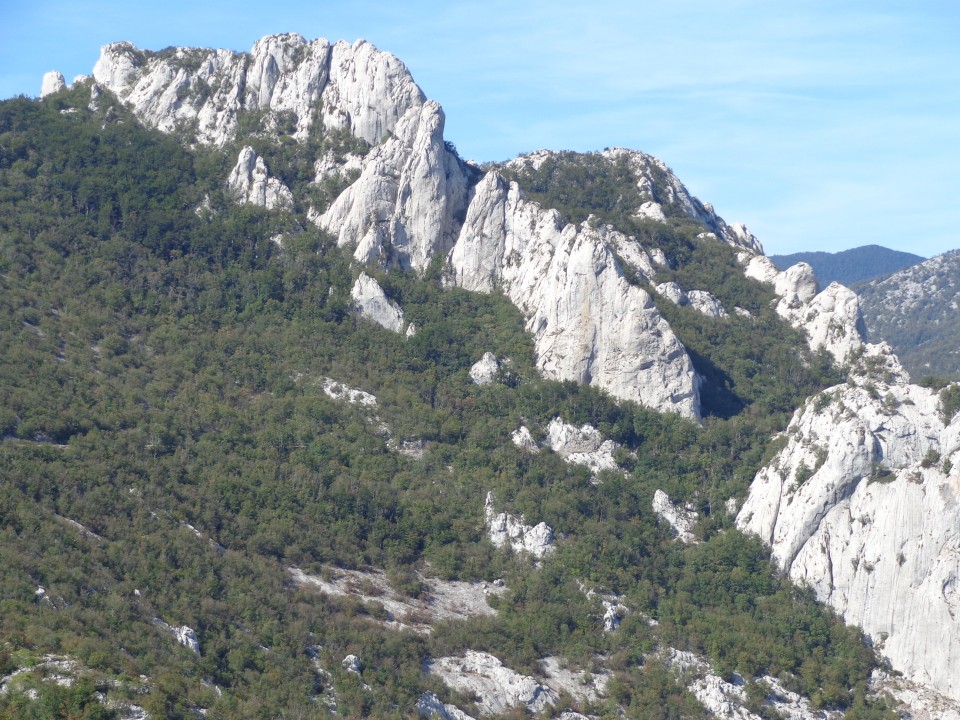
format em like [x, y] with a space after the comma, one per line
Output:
[407, 205]
[588, 322]
[861, 504]
[356, 86]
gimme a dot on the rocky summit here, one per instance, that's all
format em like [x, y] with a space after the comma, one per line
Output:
[304, 415]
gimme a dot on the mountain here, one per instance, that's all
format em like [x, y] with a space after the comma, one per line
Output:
[849, 267]
[303, 415]
[915, 310]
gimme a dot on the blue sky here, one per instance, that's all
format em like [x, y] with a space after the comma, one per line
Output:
[821, 125]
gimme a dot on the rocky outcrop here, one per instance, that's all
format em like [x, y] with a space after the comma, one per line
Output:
[830, 319]
[505, 529]
[249, 182]
[430, 707]
[496, 687]
[523, 439]
[439, 600]
[371, 302]
[681, 519]
[356, 86]
[910, 700]
[53, 82]
[700, 300]
[659, 191]
[408, 203]
[340, 391]
[728, 700]
[582, 445]
[484, 371]
[351, 663]
[185, 635]
[861, 504]
[588, 322]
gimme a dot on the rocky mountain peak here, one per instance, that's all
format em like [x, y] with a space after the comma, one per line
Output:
[356, 87]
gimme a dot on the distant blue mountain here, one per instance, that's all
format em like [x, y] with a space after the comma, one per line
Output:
[850, 266]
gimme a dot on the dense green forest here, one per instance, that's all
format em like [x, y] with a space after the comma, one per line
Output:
[160, 386]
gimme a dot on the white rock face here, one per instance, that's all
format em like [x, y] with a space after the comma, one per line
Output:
[498, 688]
[249, 182]
[699, 300]
[582, 686]
[53, 82]
[524, 440]
[357, 86]
[680, 519]
[329, 165]
[339, 391]
[912, 700]
[706, 303]
[351, 663]
[613, 612]
[372, 303]
[485, 370]
[588, 323]
[505, 529]
[429, 706]
[651, 211]
[862, 505]
[830, 319]
[582, 446]
[403, 209]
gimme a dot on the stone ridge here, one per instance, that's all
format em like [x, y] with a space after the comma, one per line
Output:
[588, 322]
[660, 191]
[356, 86]
[830, 319]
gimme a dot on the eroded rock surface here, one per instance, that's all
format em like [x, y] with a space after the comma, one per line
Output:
[681, 519]
[53, 82]
[523, 439]
[497, 687]
[440, 599]
[862, 505]
[583, 445]
[506, 529]
[372, 303]
[355, 87]
[408, 203]
[249, 182]
[588, 322]
[485, 370]
[699, 300]
[831, 319]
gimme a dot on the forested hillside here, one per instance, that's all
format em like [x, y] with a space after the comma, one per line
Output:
[168, 454]
[915, 310]
[849, 267]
